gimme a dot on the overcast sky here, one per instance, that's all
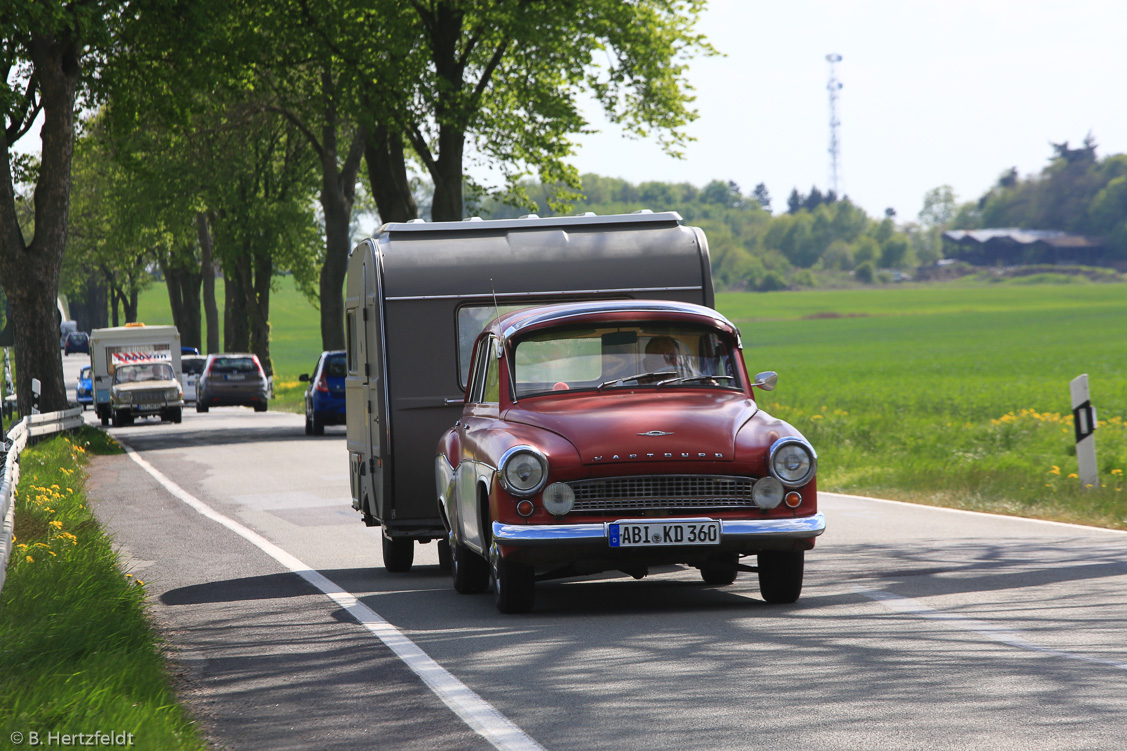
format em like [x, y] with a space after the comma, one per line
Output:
[934, 92]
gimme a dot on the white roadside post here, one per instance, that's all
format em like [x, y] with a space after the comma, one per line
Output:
[1084, 417]
[36, 390]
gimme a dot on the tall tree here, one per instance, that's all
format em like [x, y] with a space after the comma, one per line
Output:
[48, 51]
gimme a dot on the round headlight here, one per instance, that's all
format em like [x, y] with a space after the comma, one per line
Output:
[124, 396]
[172, 393]
[792, 461]
[524, 470]
[767, 493]
[559, 498]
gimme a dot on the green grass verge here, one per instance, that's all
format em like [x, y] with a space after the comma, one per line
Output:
[947, 395]
[78, 653]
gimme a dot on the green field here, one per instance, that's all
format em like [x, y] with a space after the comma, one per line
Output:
[954, 395]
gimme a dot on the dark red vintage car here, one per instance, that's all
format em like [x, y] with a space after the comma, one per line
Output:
[620, 435]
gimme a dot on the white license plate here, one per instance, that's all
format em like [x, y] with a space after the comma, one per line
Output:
[236, 377]
[640, 534]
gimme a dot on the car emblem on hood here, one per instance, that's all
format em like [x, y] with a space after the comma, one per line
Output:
[655, 433]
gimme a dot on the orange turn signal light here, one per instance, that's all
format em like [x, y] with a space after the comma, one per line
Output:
[793, 499]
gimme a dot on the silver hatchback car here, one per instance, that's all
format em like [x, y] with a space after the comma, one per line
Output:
[232, 379]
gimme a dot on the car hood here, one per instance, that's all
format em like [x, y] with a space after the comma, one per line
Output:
[642, 427]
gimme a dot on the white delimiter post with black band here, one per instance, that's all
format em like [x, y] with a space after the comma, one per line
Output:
[1084, 418]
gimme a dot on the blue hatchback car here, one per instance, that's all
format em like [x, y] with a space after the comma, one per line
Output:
[84, 389]
[324, 396]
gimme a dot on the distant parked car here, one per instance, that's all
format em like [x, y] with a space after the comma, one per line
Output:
[324, 396]
[192, 367]
[232, 379]
[77, 341]
[84, 389]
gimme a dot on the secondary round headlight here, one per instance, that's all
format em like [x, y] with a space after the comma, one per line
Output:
[792, 461]
[524, 470]
[767, 493]
[559, 498]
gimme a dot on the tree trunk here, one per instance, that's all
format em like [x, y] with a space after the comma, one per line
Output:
[387, 173]
[129, 303]
[207, 273]
[255, 274]
[30, 271]
[175, 298]
[338, 191]
[236, 337]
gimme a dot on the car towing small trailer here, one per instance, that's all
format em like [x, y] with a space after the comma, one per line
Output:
[132, 342]
[417, 296]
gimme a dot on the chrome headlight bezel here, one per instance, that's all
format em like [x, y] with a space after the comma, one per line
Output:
[785, 447]
[122, 397]
[507, 463]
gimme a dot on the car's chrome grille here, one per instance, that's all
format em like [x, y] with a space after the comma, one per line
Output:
[615, 494]
[148, 397]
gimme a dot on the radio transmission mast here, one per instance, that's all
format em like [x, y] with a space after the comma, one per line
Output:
[834, 86]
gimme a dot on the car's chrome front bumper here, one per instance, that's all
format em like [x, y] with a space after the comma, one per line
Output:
[732, 530]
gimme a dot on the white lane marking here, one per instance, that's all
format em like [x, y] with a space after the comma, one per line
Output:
[471, 708]
[945, 509]
[909, 606]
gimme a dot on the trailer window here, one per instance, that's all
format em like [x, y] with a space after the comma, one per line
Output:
[350, 320]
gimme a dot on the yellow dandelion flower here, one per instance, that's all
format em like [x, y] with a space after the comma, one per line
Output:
[1055, 470]
[1117, 471]
[56, 524]
[69, 538]
[1073, 476]
[29, 559]
[815, 417]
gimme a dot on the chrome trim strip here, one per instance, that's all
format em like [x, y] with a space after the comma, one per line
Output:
[546, 293]
[741, 529]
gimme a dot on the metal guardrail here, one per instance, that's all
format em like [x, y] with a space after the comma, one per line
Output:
[33, 426]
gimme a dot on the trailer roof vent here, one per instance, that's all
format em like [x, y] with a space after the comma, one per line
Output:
[416, 221]
[642, 211]
[531, 216]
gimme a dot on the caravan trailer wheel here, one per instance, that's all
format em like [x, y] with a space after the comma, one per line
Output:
[398, 554]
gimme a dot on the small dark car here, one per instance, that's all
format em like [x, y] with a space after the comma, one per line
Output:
[77, 341]
[84, 389]
[324, 396]
[232, 379]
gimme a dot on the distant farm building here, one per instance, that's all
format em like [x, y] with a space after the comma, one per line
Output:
[1026, 247]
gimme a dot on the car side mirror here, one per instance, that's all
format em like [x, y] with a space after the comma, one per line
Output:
[303, 377]
[766, 380]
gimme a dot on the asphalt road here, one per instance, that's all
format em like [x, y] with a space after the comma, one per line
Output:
[918, 628]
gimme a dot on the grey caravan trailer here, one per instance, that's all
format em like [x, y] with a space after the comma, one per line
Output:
[419, 293]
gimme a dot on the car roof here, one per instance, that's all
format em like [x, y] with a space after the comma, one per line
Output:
[550, 315]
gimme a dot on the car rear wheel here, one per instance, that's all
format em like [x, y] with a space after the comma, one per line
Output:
[318, 425]
[201, 406]
[721, 570]
[469, 571]
[398, 554]
[260, 407]
[514, 584]
[780, 575]
[308, 423]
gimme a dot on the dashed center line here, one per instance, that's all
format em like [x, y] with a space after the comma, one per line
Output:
[909, 606]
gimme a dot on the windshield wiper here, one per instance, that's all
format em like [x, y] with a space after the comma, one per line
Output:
[636, 377]
[688, 379]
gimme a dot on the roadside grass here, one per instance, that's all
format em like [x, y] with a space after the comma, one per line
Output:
[950, 396]
[77, 651]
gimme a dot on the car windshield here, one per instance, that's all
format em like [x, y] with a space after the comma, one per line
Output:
[84, 375]
[192, 365]
[157, 371]
[624, 356]
[234, 365]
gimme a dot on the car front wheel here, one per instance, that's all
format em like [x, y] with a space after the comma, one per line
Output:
[470, 572]
[514, 584]
[780, 575]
